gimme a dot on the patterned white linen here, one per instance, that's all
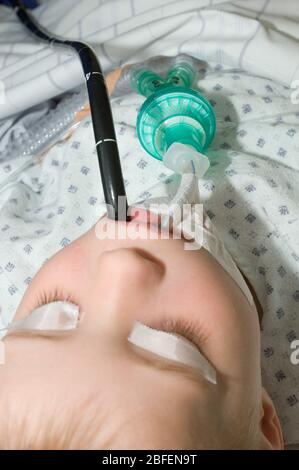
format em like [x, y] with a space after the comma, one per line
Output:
[250, 193]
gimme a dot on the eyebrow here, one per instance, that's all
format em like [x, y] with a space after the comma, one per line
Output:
[161, 363]
[153, 360]
[37, 334]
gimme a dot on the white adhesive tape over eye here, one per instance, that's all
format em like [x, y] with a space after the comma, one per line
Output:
[54, 317]
[172, 347]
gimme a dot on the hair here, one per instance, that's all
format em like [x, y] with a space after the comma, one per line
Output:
[85, 427]
[68, 428]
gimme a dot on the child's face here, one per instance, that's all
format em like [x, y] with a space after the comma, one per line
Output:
[145, 402]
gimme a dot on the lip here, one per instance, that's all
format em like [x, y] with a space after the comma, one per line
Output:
[150, 219]
[153, 223]
[144, 216]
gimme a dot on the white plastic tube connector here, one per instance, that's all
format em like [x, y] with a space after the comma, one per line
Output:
[172, 347]
[182, 158]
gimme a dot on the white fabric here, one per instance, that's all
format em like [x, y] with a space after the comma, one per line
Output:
[54, 317]
[260, 36]
[251, 190]
[173, 347]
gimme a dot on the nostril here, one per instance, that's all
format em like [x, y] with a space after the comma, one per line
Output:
[132, 264]
[148, 256]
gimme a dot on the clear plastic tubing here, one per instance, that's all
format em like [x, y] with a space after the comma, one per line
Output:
[48, 130]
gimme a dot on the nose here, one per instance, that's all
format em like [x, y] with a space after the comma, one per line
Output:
[126, 281]
[131, 268]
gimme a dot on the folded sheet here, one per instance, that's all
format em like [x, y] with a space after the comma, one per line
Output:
[260, 36]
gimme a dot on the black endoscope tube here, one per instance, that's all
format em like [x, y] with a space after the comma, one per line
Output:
[104, 132]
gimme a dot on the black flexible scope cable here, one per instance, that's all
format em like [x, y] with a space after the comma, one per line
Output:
[104, 132]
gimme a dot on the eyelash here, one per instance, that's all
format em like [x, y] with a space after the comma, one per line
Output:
[182, 327]
[46, 297]
[179, 326]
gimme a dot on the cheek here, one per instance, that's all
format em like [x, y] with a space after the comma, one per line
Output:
[233, 338]
[67, 272]
[227, 325]
[172, 402]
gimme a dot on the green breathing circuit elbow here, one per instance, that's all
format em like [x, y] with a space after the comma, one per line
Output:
[176, 123]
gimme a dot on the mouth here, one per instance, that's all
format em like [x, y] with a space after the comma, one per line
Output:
[154, 222]
[159, 223]
[146, 224]
[144, 216]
